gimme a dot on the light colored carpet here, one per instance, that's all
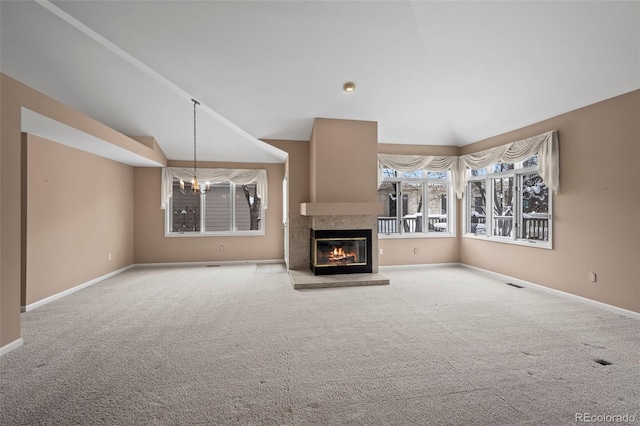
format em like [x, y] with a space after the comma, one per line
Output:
[237, 345]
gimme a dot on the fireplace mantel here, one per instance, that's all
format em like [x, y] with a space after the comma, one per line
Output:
[341, 209]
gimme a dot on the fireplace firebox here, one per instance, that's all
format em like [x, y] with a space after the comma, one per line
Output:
[341, 251]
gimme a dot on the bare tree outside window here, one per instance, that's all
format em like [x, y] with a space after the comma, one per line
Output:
[535, 194]
[185, 211]
[520, 202]
[226, 208]
[535, 208]
[478, 203]
[389, 173]
[531, 162]
[503, 206]
[254, 203]
[415, 201]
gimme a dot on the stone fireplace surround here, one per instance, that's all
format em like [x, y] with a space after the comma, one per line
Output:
[342, 196]
[347, 223]
[299, 271]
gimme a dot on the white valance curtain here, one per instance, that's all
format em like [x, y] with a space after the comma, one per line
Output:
[409, 163]
[545, 145]
[237, 176]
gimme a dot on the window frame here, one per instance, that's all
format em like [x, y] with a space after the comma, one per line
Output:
[517, 173]
[425, 181]
[232, 232]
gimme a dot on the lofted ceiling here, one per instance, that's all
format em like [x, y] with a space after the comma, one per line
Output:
[435, 73]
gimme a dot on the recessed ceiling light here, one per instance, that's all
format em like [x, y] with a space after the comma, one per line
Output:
[349, 86]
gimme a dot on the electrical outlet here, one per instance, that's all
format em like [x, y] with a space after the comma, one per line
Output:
[381, 251]
[415, 251]
[109, 256]
[593, 277]
[221, 247]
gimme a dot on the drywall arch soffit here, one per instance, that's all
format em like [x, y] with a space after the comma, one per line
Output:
[48, 128]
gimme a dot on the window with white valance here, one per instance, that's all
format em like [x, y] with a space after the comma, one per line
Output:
[509, 202]
[544, 145]
[416, 204]
[213, 176]
[234, 204]
[508, 188]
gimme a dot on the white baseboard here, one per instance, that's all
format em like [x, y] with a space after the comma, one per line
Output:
[72, 290]
[11, 346]
[223, 262]
[119, 271]
[417, 266]
[594, 303]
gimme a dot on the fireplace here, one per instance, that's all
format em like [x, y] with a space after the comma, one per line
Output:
[340, 251]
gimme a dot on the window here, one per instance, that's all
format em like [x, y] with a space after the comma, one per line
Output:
[185, 211]
[477, 172]
[502, 206]
[509, 203]
[217, 208]
[534, 214]
[227, 208]
[477, 212]
[416, 203]
[501, 167]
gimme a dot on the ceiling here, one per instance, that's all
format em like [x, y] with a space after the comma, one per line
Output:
[435, 73]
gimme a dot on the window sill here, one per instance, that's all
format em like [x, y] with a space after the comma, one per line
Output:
[527, 243]
[214, 234]
[416, 235]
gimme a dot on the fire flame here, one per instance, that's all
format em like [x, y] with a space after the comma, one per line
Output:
[338, 253]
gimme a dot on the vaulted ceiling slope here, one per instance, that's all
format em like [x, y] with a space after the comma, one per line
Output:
[438, 73]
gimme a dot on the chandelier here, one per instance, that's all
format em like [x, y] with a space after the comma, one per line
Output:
[196, 188]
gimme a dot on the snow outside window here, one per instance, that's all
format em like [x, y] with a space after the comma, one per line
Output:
[509, 202]
[416, 203]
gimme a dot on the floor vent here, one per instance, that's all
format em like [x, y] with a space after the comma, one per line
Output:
[212, 266]
[602, 362]
[514, 285]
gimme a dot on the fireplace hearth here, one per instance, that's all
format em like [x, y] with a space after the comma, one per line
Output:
[340, 251]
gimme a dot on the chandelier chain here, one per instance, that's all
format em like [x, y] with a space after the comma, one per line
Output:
[196, 188]
[194, 135]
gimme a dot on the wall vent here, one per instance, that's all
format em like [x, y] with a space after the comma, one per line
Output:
[514, 285]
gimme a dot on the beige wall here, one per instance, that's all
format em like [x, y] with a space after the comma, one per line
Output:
[404, 149]
[401, 251]
[79, 209]
[15, 95]
[151, 246]
[298, 169]
[395, 251]
[11, 207]
[299, 192]
[338, 165]
[344, 157]
[596, 223]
